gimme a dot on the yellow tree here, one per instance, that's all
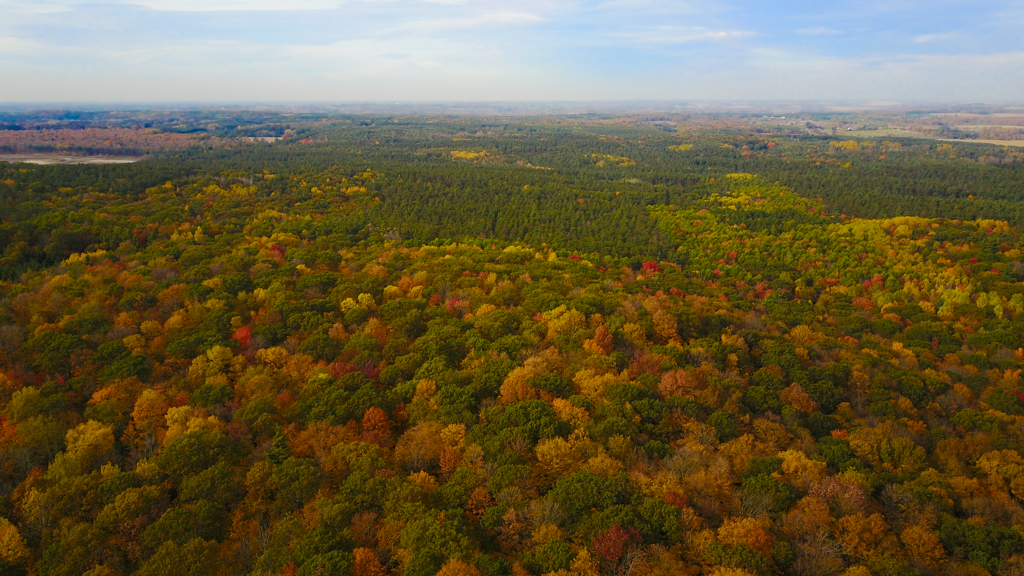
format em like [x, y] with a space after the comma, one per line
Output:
[922, 544]
[90, 444]
[862, 536]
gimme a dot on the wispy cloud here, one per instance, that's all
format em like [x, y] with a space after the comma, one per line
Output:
[236, 5]
[819, 31]
[925, 38]
[678, 35]
[432, 24]
[10, 46]
[12, 7]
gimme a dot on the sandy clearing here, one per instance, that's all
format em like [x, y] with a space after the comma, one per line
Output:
[61, 159]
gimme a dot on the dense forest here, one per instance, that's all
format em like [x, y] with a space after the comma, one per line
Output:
[504, 347]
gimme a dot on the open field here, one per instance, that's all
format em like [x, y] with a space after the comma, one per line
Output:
[965, 115]
[1019, 143]
[980, 126]
[47, 159]
[886, 132]
[267, 139]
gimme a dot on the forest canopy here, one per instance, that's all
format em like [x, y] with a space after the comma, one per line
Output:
[377, 345]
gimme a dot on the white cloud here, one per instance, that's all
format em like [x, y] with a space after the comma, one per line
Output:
[36, 7]
[51, 6]
[434, 24]
[399, 6]
[820, 31]
[235, 5]
[678, 35]
[10, 46]
[924, 38]
[661, 6]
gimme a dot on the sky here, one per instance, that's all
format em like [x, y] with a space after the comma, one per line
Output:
[219, 51]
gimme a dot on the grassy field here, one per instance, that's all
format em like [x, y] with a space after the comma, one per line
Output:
[886, 132]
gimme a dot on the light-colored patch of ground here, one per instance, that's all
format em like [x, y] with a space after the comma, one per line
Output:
[887, 132]
[989, 126]
[1019, 143]
[64, 159]
[971, 115]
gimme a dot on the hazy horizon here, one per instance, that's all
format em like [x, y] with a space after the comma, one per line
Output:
[527, 107]
[424, 51]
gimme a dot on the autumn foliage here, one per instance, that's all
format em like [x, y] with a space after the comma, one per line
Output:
[246, 372]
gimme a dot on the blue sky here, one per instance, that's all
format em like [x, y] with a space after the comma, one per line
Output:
[429, 50]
